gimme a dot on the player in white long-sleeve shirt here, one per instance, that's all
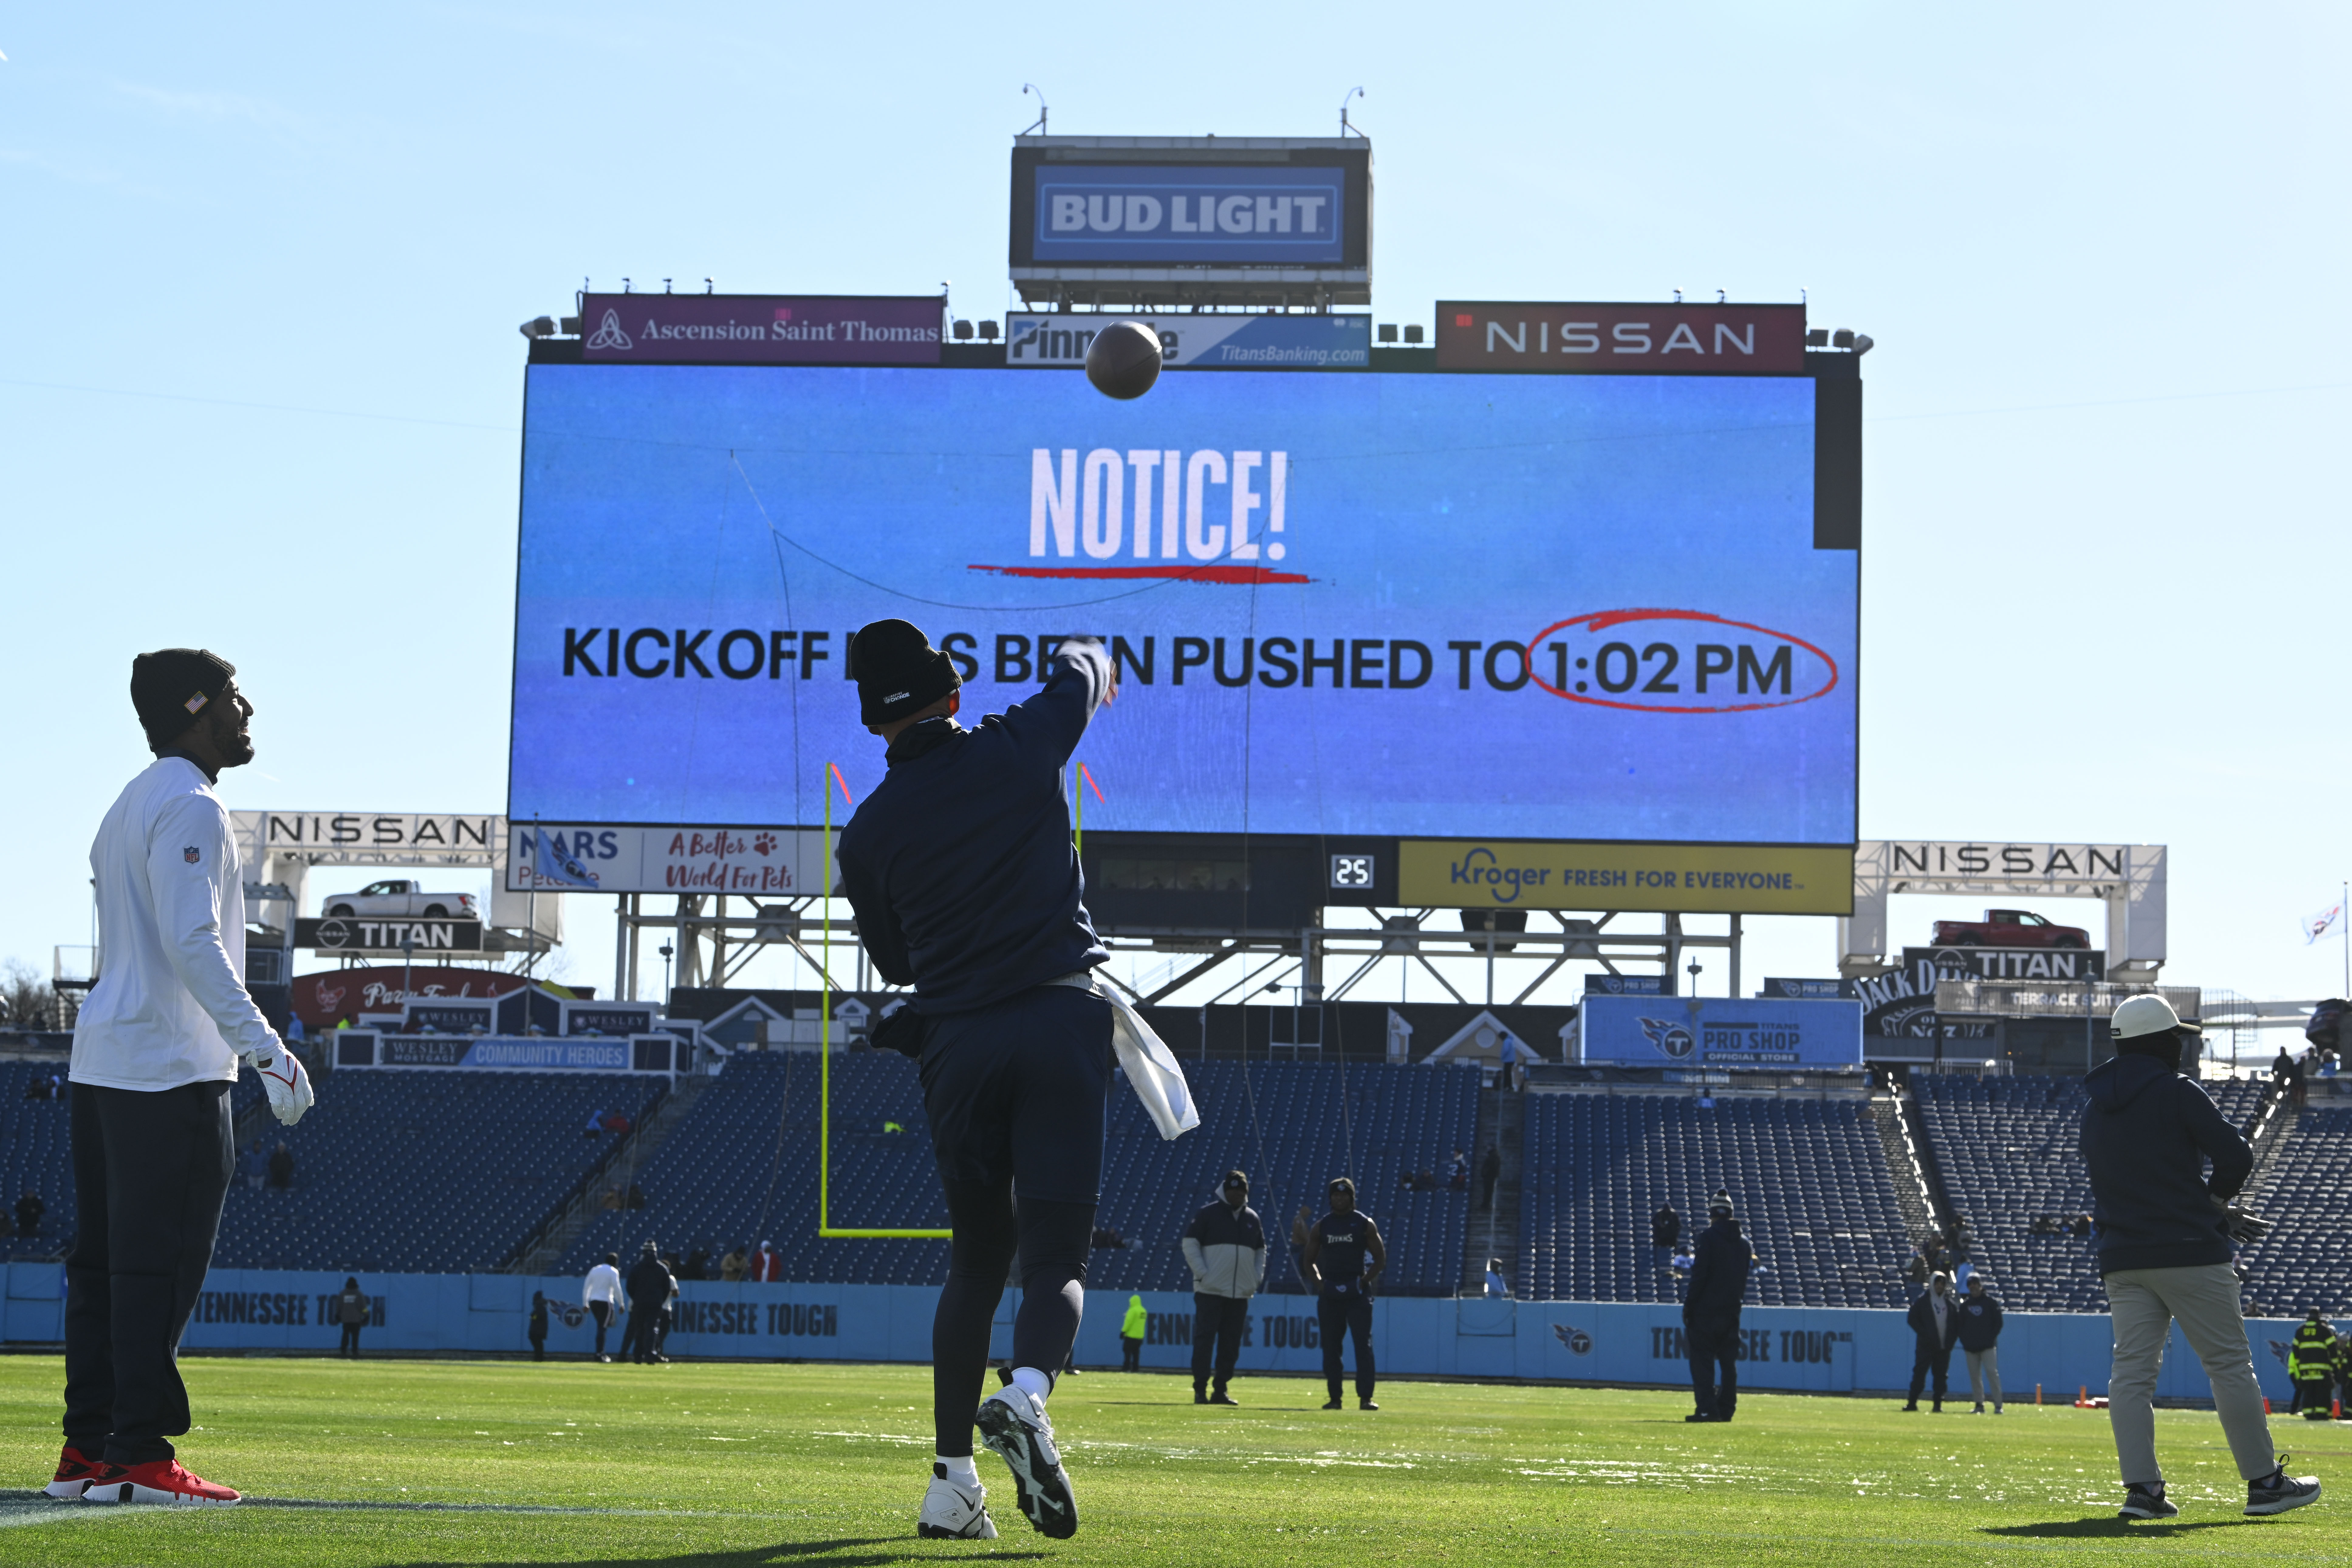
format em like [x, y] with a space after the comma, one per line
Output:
[602, 1294]
[155, 1050]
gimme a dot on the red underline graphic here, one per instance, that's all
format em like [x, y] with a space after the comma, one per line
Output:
[1243, 574]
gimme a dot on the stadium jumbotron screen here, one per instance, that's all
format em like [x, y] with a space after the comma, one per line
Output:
[1548, 608]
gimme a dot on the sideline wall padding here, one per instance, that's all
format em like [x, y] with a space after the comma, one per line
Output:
[1794, 1347]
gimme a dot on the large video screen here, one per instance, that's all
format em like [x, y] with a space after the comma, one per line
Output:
[1342, 603]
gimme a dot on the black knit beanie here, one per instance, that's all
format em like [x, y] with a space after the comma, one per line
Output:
[171, 687]
[897, 671]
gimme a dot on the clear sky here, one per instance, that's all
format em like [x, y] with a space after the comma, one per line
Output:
[260, 382]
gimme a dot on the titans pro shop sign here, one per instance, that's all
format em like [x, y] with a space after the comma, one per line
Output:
[1540, 606]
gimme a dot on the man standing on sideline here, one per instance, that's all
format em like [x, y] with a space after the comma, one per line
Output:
[1131, 1335]
[1934, 1320]
[1344, 1257]
[535, 1330]
[1979, 1328]
[2164, 1237]
[600, 1292]
[1711, 1302]
[350, 1310]
[966, 886]
[2311, 1363]
[1226, 1247]
[155, 1051]
[647, 1297]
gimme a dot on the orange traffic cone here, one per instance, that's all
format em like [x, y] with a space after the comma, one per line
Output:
[2335, 1410]
[2266, 1404]
[2037, 1394]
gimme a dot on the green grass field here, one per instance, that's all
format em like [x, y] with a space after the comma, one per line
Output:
[719, 1466]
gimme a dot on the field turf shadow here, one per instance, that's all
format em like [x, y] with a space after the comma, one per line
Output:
[2111, 1528]
[849, 1552]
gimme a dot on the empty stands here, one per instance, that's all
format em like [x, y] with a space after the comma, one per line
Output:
[423, 1171]
[2007, 1149]
[1809, 1178]
[35, 1156]
[2306, 1194]
[725, 1175]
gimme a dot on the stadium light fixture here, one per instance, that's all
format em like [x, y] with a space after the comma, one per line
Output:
[1413, 331]
[1817, 338]
[538, 327]
[963, 332]
[1843, 338]
[1863, 343]
[1387, 331]
[988, 332]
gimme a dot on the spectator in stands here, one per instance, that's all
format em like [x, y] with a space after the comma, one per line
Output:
[1490, 1171]
[1711, 1303]
[30, 1210]
[281, 1165]
[1131, 1335]
[352, 1311]
[734, 1267]
[253, 1165]
[1665, 1227]
[616, 1123]
[535, 1327]
[600, 1292]
[1338, 1248]
[595, 1123]
[636, 1198]
[647, 1296]
[1109, 1240]
[1956, 1238]
[768, 1268]
[38, 1087]
[2164, 1234]
[2282, 1069]
[1979, 1328]
[1224, 1246]
[958, 867]
[1934, 1320]
[1497, 1287]
[1458, 1173]
[2080, 1228]
[697, 1265]
[1918, 1269]
[2296, 1088]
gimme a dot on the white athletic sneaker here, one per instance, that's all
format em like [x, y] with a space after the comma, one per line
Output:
[1014, 1426]
[953, 1511]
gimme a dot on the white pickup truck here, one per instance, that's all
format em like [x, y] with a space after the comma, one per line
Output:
[408, 899]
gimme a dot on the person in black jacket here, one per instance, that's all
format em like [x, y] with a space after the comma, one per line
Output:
[960, 866]
[1980, 1329]
[1935, 1319]
[650, 1285]
[1665, 1227]
[1719, 1283]
[535, 1329]
[1225, 1248]
[2164, 1240]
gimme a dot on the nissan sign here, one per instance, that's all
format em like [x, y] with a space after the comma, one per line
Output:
[1622, 340]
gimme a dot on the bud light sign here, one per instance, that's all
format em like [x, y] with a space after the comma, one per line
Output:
[1177, 214]
[1720, 1031]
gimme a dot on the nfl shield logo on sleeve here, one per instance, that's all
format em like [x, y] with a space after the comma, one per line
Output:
[189, 855]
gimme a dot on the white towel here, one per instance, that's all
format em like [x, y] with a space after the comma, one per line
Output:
[1152, 1068]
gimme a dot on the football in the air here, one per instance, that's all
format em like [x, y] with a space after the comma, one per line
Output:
[1124, 360]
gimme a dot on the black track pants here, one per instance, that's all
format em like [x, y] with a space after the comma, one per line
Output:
[1343, 1314]
[1217, 1325]
[1051, 1241]
[150, 1171]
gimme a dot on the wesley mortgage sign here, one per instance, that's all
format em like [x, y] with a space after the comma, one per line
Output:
[1716, 1031]
[1060, 341]
[1689, 879]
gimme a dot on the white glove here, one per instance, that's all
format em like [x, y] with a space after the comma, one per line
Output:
[283, 1079]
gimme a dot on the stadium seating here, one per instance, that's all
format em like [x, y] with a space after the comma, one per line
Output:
[1809, 1178]
[742, 1167]
[2306, 1195]
[2006, 1147]
[423, 1171]
[36, 1155]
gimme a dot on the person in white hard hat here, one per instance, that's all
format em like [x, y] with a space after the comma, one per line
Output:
[2165, 1232]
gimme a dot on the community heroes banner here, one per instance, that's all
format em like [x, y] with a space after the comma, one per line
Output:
[1551, 607]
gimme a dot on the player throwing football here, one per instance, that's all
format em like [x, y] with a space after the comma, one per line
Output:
[961, 870]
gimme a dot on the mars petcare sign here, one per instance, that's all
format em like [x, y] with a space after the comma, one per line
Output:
[1622, 340]
[760, 328]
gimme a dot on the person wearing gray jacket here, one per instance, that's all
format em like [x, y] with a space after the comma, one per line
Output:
[1225, 1246]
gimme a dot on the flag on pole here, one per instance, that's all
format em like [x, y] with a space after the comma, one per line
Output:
[2319, 925]
[551, 861]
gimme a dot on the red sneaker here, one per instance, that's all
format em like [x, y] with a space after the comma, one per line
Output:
[157, 1480]
[75, 1469]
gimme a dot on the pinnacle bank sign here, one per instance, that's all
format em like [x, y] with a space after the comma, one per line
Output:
[761, 329]
[1621, 339]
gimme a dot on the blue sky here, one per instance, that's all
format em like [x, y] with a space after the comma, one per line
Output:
[260, 384]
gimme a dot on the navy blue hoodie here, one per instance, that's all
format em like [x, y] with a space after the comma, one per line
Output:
[2146, 1136]
[959, 863]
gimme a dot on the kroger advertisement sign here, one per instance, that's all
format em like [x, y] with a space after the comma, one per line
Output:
[1179, 214]
[1715, 1031]
[1201, 343]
